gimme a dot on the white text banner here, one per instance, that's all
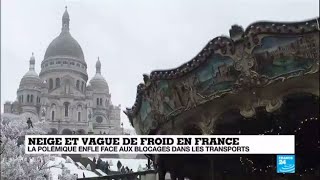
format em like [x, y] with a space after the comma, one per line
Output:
[160, 144]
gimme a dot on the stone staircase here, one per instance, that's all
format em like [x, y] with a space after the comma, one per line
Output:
[142, 175]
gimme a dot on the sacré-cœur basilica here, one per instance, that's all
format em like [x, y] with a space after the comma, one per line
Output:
[61, 93]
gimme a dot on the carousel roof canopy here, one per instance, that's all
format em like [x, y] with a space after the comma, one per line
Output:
[263, 61]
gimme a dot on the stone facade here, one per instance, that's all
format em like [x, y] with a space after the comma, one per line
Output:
[61, 93]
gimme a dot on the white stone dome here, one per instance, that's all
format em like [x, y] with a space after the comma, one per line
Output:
[31, 77]
[98, 82]
[64, 54]
[65, 45]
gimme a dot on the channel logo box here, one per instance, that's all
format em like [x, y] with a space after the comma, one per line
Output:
[286, 164]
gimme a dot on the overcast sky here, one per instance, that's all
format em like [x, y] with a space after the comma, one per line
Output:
[130, 37]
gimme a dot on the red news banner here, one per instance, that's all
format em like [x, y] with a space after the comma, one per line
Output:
[141, 144]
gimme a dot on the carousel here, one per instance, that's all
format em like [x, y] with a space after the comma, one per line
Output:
[261, 80]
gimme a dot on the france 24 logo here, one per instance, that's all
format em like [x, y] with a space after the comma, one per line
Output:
[286, 164]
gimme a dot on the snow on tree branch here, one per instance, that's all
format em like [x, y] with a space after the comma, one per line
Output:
[15, 164]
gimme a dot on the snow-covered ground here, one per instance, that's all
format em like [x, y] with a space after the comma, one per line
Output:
[134, 164]
[127, 156]
[55, 171]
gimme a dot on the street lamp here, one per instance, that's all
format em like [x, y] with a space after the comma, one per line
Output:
[122, 127]
[89, 115]
[90, 128]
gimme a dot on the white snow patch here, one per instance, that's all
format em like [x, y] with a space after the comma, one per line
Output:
[55, 171]
[128, 156]
[131, 163]
[69, 160]
[88, 167]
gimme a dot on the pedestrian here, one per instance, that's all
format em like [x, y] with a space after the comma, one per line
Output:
[29, 122]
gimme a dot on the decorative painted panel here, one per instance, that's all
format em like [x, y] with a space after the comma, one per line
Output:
[216, 75]
[278, 56]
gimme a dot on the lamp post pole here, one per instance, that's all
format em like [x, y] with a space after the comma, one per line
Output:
[90, 130]
[122, 127]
